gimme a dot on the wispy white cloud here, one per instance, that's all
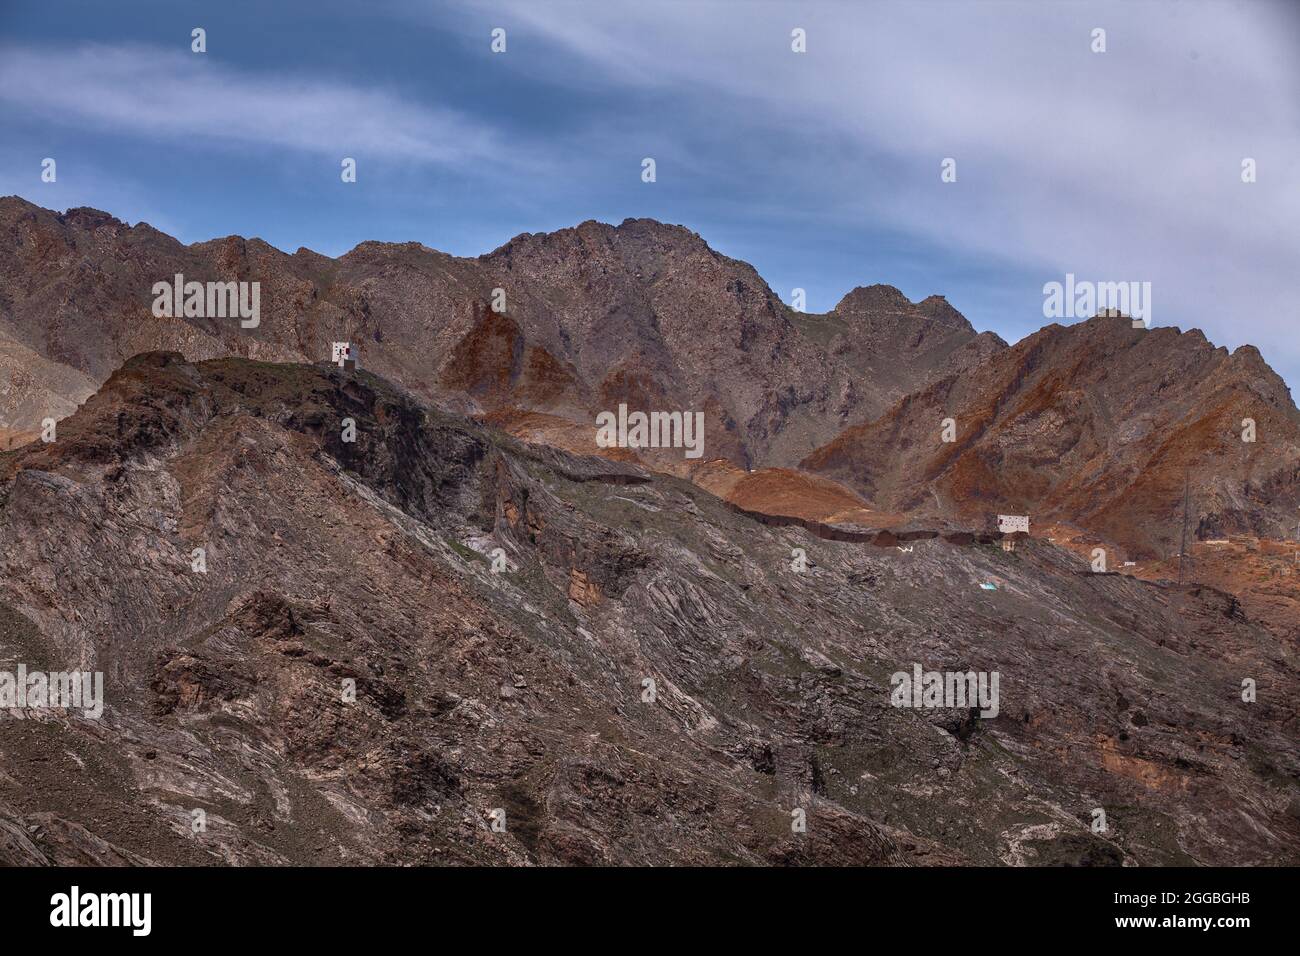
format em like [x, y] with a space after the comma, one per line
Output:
[147, 92]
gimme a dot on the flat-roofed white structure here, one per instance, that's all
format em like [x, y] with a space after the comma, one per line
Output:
[343, 355]
[1009, 524]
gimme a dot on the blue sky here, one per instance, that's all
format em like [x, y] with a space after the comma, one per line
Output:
[822, 169]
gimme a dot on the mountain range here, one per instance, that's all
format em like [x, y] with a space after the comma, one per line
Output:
[1096, 425]
[498, 588]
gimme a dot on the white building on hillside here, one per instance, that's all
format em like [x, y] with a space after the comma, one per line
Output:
[1010, 524]
[344, 355]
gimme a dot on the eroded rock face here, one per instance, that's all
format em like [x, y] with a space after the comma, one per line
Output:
[402, 640]
[1096, 425]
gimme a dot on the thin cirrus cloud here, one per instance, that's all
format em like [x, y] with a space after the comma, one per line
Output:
[1013, 88]
[147, 92]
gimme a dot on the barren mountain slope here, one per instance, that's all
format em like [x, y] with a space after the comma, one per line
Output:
[33, 389]
[1096, 425]
[523, 691]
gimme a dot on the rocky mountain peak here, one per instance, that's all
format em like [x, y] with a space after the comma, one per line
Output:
[873, 298]
[84, 217]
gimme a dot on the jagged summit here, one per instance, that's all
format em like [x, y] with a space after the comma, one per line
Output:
[874, 298]
[885, 303]
[589, 228]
